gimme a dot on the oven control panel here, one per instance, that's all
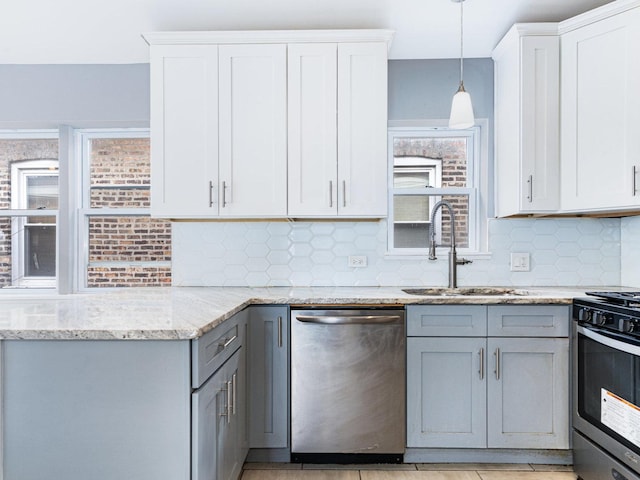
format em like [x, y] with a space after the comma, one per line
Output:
[609, 317]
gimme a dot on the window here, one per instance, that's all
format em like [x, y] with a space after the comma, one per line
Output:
[96, 223]
[428, 165]
[124, 246]
[28, 209]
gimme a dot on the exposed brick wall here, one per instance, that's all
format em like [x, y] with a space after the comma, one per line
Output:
[453, 154]
[129, 239]
[120, 178]
[127, 276]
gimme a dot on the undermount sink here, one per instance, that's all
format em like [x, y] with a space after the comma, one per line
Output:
[465, 291]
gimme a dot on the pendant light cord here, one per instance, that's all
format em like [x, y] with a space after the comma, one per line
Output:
[461, 45]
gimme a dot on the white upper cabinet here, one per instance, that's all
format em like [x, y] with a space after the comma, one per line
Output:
[362, 129]
[253, 130]
[184, 125]
[527, 117]
[600, 148]
[313, 133]
[269, 124]
[337, 122]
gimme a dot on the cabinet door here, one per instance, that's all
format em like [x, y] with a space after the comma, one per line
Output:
[527, 115]
[233, 451]
[268, 374]
[528, 393]
[253, 130]
[208, 404]
[362, 129]
[312, 86]
[601, 114]
[184, 130]
[446, 392]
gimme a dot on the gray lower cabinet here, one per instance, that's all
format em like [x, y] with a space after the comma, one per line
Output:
[269, 377]
[104, 410]
[143, 409]
[219, 405]
[507, 390]
[446, 392]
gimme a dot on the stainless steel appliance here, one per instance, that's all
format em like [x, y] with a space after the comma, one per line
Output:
[347, 385]
[606, 386]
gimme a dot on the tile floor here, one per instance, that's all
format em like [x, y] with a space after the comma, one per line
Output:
[431, 471]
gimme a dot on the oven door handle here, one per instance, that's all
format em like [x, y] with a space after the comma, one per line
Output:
[608, 341]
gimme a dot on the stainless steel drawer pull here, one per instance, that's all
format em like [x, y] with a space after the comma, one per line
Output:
[227, 341]
[210, 193]
[481, 371]
[497, 354]
[530, 188]
[347, 319]
[279, 332]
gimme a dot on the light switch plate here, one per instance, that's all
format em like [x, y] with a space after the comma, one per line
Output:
[520, 262]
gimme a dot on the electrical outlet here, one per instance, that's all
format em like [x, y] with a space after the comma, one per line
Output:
[357, 261]
[520, 262]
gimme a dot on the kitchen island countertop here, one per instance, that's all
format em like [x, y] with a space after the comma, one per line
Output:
[183, 313]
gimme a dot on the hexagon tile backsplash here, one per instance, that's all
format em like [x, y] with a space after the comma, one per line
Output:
[563, 251]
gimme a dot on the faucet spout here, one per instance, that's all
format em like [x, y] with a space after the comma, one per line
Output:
[453, 257]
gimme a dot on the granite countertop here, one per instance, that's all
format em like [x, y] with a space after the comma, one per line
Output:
[180, 313]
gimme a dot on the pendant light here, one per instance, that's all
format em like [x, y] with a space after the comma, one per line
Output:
[461, 109]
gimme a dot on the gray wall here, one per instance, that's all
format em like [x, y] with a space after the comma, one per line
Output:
[46, 96]
[423, 89]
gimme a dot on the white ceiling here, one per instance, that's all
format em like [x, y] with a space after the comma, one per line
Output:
[108, 31]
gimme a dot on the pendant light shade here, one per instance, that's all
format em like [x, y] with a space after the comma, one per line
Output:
[461, 108]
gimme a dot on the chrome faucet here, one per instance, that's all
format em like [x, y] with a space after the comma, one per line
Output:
[453, 256]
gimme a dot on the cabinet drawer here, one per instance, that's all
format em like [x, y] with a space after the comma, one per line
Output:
[211, 350]
[529, 321]
[446, 320]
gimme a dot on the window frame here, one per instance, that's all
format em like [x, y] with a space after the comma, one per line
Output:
[20, 171]
[74, 211]
[83, 139]
[32, 285]
[476, 179]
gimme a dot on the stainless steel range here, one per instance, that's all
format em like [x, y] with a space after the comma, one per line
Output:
[606, 386]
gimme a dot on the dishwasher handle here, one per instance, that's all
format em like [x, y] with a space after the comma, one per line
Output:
[348, 319]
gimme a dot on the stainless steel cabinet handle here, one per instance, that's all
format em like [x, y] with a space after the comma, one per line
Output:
[497, 354]
[481, 363]
[634, 176]
[227, 341]
[279, 332]
[224, 194]
[347, 319]
[344, 193]
[530, 188]
[225, 408]
[330, 194]
[229, 400]
[210, 193]
[234, 391]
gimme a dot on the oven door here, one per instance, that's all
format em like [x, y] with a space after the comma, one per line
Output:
[607, 391]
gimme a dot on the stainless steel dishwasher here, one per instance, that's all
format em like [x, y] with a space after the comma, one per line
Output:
[347, 385]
